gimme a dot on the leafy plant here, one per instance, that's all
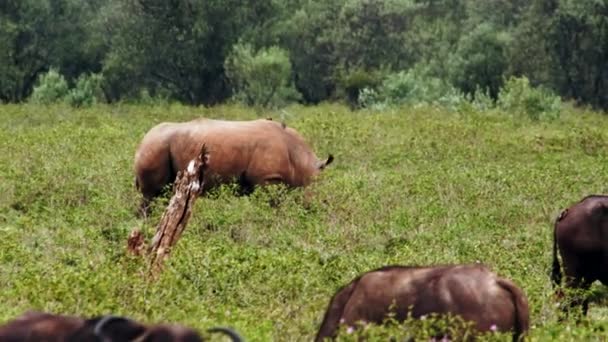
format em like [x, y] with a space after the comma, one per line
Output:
[87, 91]
[260, 78]
[479, 60]
[519, 97]
[51, 88]
[353, 82]
[414, 86]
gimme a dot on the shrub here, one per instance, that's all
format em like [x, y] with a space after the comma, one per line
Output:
[262, 78]
[482, 100]
[87, 91]
[157, 98]
[354, 81]
[432, 327]
[414, 86]
[479, 101]
[51, 88]
[518, 96]
[479, 60]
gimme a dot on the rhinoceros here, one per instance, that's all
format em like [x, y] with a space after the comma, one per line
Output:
[255, 152]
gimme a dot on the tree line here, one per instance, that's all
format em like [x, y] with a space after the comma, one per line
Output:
[268, 52]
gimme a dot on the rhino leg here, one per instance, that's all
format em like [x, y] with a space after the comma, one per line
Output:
[151, 182]
[246, 186]
[144, 208]
[247, 183]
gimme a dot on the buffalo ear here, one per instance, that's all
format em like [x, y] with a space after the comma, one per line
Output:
[116, 328]
[231, 333]
[171, 333]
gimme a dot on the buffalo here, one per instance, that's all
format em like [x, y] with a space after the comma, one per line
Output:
[41, 326]
[472, 292]
[580, 235]
[255, 152]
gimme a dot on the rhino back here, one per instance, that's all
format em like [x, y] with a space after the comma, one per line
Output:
[233, 146]
[152, 152]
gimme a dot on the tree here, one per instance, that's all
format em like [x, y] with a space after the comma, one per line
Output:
[578, 41]
[262, 78]
[176, 47]
[480, 61]
[307, 35]
[36, 34]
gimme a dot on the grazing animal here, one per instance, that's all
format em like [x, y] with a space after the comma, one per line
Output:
[580, 235]
[251, 152]
[471, 291]
[40, 326]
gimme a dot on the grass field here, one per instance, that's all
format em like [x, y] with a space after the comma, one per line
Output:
[410, 186]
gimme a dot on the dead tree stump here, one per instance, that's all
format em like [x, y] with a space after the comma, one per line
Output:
[186, 189]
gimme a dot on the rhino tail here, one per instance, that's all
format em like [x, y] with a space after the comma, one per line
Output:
[522, 311]
[334, 312]
[322, 164]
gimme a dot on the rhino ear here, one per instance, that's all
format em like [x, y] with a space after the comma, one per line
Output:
[115, 328]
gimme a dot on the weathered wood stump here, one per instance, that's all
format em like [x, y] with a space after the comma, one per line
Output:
[186, 189]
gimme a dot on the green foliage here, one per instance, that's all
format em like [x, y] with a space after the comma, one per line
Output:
[479, 61]
[429, 328]
[576, 28]
[145, 98]
[518, 96]
[176, 47]
[371, 34]
[178, 50]
[414, 86]
[307, 33]
[52, 87]
[413, 186]
[261, 78]
[353, 82]
[482, 101]
[36, 35]
[87, 91]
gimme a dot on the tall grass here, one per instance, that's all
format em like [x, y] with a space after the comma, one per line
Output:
[410, 186]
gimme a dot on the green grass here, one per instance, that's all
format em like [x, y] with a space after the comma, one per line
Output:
[413, 186]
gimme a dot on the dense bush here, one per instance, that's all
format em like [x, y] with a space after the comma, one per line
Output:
[518, 96]
[260, 78]
[356, 83]
[87, 91]
[412, 87]
[52, 87]
[179, 48]
[479, 60]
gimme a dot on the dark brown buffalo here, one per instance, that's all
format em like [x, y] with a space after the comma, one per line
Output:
[39, 326]
[581, 236]
[472, 292]
[251, 152]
